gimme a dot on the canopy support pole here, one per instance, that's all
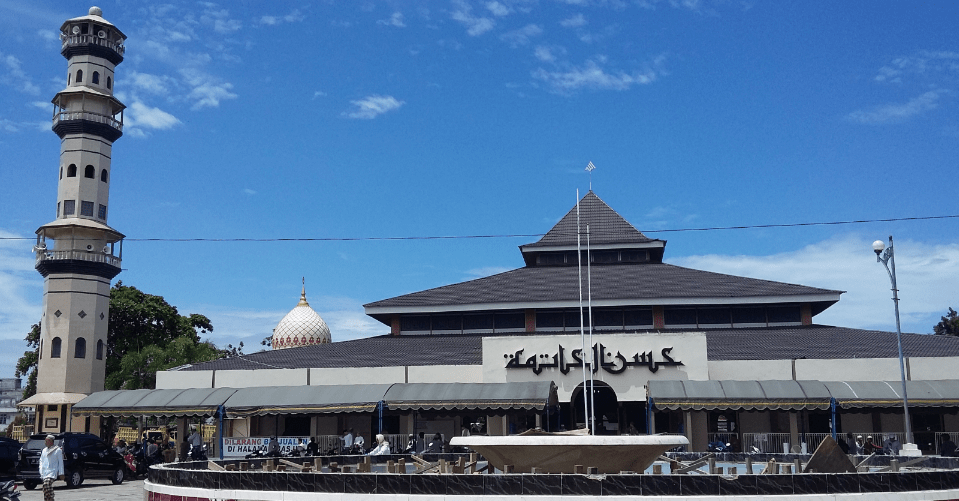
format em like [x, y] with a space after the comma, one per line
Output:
[379, 408]
[219, 429]
[832, 408]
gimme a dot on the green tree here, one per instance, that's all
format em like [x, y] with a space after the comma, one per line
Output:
[949, 325]
[146, 335]
[27, 364]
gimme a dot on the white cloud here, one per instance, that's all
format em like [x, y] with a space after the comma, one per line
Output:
[926, 276]
[923, 63]
[396, 19]
[140, 116]
[319, 93]
[573, 22]
[294, 16]
[593, 76]
[475, 26]
[522, 36]
[207, 91]
[12, 75]
[153, 84]
[544, 54]
[898, 112]
[248, 191]
[497, 9]
[371, 106]
[49, 35]
[485, 271]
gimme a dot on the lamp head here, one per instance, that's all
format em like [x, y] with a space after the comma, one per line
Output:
[878, 246]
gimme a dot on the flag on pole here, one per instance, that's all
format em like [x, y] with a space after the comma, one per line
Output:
[590, 167]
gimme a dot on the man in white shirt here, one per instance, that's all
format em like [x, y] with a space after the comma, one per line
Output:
[347, 440]
[51, 467]
[196, 441]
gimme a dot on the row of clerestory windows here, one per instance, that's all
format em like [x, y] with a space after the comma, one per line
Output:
[95, 80]
[79, 348]
[86, 209]
[89, 172]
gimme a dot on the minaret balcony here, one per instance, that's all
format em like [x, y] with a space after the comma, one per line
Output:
[80, 122]
[77, 261]
[92, 45]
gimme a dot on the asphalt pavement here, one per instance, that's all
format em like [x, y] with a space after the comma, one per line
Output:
[89, 490]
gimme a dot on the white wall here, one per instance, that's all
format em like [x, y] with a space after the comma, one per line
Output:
[848, 369]
[258, 378]
[357, 375]
[180, 380]
[750, 370]
[928, 368]
[446, 374]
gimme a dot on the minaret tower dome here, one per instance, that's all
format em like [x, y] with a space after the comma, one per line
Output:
[302, 326]
[77, 252]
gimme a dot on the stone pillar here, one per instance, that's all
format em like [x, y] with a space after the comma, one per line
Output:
[793, 429]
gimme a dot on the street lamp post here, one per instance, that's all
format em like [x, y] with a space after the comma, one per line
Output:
[888, 258]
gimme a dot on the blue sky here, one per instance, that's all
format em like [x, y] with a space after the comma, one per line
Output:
[397, 119]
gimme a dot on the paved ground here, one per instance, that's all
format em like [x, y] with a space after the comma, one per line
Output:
[89, 490]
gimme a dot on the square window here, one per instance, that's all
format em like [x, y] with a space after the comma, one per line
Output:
[638, 318]
[69, 207]
[679, 316]
[549, 320]
[86, 209]
[102, 212]
[477, 322]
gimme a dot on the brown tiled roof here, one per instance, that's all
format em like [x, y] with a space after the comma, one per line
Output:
[606, 226]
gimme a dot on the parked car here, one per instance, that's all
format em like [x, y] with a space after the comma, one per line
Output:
[84, 455]
[9, 455]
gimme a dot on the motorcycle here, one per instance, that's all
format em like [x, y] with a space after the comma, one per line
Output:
[198, 453]
[718, 447]
[8, 491]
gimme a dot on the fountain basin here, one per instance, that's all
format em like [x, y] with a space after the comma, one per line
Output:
[560, 453]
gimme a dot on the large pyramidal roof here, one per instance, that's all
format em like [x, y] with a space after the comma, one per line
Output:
[606, 226]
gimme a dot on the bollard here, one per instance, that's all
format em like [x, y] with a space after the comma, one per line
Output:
[507, 468]
[282, 467]
[318, 464]
[536, 470]
[894, 465]
[401, 467]
[733, 470]
[711, 462]
[389, 467]
[268, 465]
[244, 466]
[592, 470]
[579, 469]
[797, 465]
[334, 467]
[785, 469]
[749, 465]
[657, 469]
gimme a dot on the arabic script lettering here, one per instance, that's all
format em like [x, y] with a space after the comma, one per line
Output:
[613, 364]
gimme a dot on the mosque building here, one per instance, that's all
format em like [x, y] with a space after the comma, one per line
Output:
[669, 350]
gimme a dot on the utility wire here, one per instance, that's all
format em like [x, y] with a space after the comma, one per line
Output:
[518, 235]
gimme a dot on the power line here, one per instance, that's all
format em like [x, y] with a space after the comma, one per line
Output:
[524, 235]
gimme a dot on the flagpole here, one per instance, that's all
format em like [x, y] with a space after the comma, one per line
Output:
[582, 333]
[592, 348]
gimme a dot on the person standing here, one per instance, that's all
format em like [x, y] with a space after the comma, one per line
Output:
[51, 466]
[347, 440]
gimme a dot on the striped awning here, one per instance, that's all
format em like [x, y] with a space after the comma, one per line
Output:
[859, 394]
[163, 402]
[745, 395]
[319, 399]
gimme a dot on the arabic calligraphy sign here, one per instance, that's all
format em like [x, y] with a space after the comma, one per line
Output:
[605, 360]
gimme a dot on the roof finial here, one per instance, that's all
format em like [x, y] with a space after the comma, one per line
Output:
[303, 295]
[589, 168]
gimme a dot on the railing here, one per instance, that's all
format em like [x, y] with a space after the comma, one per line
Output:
[21, 432]
[773, 442]
[326, 443]
[726, 438]
[92, 39]
[765, 442]
[94, 257]
[89, 116]
[940, 435]
[127, 434]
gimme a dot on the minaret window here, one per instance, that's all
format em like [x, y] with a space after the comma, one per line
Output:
[90, 172]
[96, 78]
[58, 209]
[109, 83]
[80, 350]
[100, 349]
[72, 171]
[69, 207]
[55, 348]
[103, 175]
[102, 212]
[79, 76]
[61, 172]
[86, 208]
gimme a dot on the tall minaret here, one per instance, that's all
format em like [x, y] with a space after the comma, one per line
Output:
[75, 253]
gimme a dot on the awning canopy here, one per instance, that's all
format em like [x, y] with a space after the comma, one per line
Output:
[795, 395]
[55, 398]
[859, 394]
[180, 402]
[317, 399]
[534, 395]
[746, 395]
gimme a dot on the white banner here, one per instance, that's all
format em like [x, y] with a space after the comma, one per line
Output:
[241, 446]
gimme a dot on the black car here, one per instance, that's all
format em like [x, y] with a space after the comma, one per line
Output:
[84, 455]
[9, 455]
